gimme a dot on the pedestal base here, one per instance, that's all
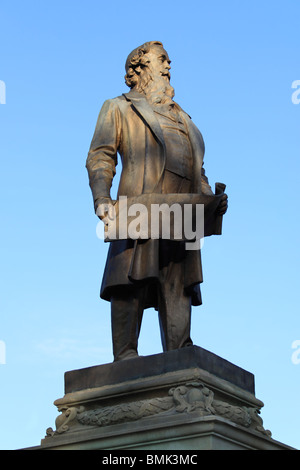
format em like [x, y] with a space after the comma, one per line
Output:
[188, 399]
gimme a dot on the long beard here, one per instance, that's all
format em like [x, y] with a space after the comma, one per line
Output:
[157, 89]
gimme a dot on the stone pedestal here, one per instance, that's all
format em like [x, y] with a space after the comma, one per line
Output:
[188, 399]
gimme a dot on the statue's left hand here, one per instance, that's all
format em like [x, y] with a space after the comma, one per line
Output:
[223, 205]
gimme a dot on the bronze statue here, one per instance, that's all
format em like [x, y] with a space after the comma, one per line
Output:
[162, 152]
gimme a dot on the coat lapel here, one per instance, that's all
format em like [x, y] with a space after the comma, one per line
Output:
[144, 109]
[154, 167]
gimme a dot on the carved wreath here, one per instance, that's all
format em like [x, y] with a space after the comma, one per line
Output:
[191, 397]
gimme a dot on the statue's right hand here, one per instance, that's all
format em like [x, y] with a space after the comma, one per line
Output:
[105, 208]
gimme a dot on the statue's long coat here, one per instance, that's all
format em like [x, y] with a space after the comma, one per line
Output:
[127, 125]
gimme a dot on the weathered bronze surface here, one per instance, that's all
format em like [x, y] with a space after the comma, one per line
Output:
[162, 153]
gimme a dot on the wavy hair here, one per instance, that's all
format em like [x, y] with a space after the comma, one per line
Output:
[136, 61]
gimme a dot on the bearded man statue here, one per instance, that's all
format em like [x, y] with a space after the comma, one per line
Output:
[161, 151]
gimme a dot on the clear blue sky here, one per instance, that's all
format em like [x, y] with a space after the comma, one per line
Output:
[233, 64]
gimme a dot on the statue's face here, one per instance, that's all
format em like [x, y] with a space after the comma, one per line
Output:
[158, 62]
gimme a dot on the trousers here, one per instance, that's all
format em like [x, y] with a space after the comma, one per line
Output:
[173, 303]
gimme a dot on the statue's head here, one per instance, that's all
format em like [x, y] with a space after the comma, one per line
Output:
[148, 67]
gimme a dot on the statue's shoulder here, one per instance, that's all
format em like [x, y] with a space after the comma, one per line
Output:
[114, 101]
[117, 102]
[113, 105]
[120, 98]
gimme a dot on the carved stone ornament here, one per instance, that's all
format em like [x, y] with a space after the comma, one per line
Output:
[193, 397]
